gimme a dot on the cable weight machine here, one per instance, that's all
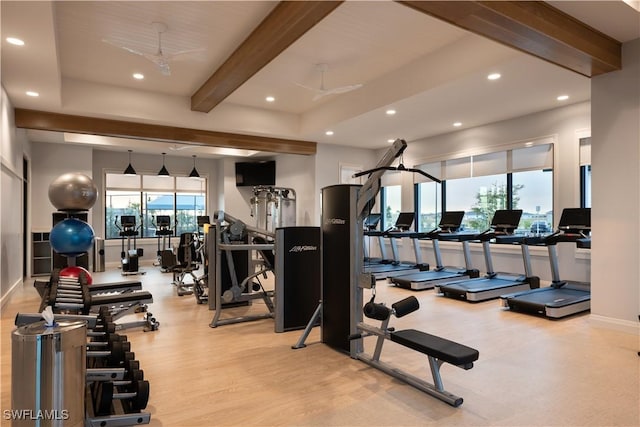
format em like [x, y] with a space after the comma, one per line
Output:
[273, 207]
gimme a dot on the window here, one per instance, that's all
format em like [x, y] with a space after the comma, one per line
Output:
[428, 197]
[146, 196]
[479, 197]
[391, 197]
[531, 193]
[520, 178]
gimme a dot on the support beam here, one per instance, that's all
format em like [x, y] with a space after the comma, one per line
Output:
[286, 23]
[42, 120]
[533, 27]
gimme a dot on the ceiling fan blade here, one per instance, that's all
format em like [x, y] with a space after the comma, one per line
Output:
[336, 90]
[343, 89]
[160, 61]
[314, 89]
[128, 49]
[183, 54]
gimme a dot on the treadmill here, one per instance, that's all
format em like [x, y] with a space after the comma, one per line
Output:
[493, 284]
[400, 230]
[563, 298]
[447, 231]
[370, 225]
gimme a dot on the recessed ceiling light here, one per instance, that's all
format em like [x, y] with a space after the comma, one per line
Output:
[138, 76]
[494, 76]
[390, 141]
[562, 97]
[329, 133]
[269, 99]
[457, 124]
[390, 112]
[32, 93]
[15, 41]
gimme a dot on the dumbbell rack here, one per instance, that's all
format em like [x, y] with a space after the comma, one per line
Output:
[73, 295]
[116, 391]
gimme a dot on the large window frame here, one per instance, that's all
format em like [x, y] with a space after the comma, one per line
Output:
[509, 166]
[146, 195]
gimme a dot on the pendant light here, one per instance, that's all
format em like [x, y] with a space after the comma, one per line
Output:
[194, 172]
[130, 170]
[163, 171]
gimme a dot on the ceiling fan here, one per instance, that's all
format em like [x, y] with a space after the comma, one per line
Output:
[322, 91]
[159, 58]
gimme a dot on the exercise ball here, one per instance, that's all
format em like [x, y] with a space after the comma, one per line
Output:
[73, 192]
[75, 272]
[71, 237]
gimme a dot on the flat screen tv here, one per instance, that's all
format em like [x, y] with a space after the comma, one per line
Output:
[249, 174]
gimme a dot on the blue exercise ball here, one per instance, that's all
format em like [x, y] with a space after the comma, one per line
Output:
[71, 237]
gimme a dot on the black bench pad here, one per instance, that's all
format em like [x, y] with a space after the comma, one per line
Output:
[440, 348]
[129, 297]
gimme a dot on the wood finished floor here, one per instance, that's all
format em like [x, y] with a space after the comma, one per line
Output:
[531, 371]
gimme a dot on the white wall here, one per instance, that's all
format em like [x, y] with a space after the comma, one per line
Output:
[328, 160]
[615, 159]
[48, 162]
[11, 203]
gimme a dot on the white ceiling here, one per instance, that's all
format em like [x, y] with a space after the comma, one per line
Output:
[431, 73]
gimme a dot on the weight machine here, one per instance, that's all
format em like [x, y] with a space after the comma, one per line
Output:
[344, 208]
[273, 207]
[233, 235]
[129, 257]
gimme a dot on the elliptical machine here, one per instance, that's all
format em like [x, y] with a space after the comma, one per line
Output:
[128, 231]
[166, 257]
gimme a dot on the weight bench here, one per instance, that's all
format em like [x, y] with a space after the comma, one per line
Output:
[438, 350]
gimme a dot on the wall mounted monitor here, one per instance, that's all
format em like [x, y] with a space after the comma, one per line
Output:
[250, 174]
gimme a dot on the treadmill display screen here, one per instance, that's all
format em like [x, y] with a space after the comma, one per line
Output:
[575, 219]
[451, 219]
[506, 218]
[405, 220]
[371, 221]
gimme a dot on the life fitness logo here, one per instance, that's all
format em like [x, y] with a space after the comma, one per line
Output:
[336, 221]
[303, 248]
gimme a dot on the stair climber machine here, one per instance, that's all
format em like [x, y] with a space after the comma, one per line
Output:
[447, 231]
[493, 284]
[166, 257]
[401, 229]
[563, 298]
[129, 232]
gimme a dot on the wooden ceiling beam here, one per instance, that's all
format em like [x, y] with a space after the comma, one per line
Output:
[286, 23]
[533, 27]
[42, 120]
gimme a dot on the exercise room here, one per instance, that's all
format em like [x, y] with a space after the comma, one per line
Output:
[319, 213]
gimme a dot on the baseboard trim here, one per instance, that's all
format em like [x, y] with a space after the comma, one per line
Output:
[604, 322]
[7, 296]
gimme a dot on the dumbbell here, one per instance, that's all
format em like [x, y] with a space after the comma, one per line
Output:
[123, 375]
[134, 397]
[114, 354]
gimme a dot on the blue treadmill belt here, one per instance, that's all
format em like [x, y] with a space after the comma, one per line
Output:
[552, 297]
[482, 284]
[425, 276]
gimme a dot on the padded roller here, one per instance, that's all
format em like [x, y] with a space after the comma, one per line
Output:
[376, 311]
[406, 306]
